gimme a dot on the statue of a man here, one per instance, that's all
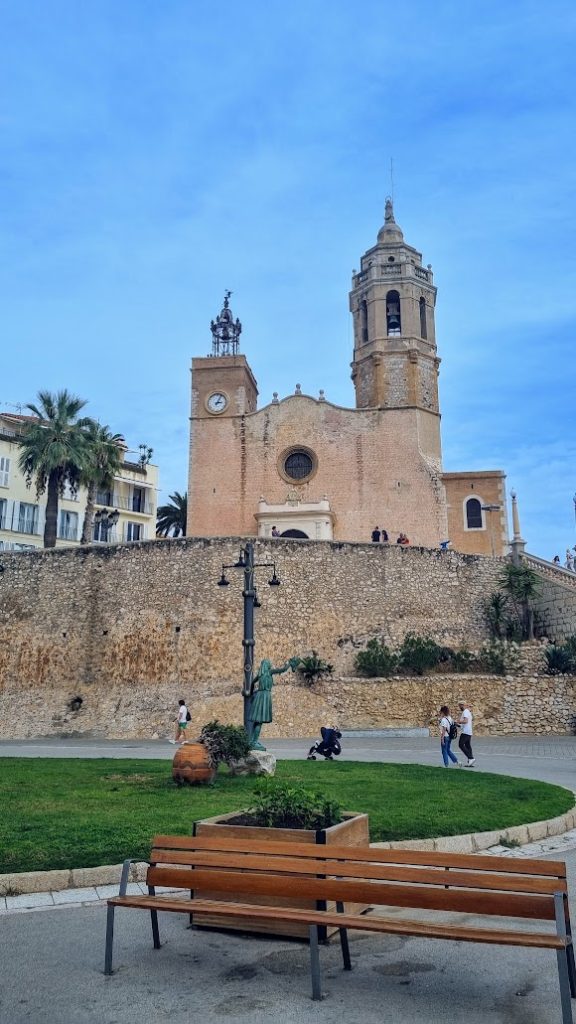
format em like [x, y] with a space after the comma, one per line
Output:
[260, 709]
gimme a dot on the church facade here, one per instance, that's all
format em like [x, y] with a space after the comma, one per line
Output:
[303, 467]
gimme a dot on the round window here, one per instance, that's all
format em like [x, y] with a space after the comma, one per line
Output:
[298, 465]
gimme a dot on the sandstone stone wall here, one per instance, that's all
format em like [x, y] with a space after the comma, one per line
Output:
[132, 628]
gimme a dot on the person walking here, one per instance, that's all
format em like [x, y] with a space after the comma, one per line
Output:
[447, 734]
[182, 720]
[465, 741]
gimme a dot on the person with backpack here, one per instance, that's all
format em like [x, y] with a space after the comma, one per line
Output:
[448, 732]
[182, 720]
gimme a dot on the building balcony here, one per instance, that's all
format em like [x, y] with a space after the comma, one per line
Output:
[133, 504]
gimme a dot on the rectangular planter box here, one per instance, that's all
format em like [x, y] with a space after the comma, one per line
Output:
[352, 831]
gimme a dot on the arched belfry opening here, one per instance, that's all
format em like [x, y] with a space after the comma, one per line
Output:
[364, 321]
[393, 321]
[423, 325]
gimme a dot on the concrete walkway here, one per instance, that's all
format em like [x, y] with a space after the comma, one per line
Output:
[550, 758]
[52, 958]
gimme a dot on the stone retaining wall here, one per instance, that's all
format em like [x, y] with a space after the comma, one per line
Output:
[130, 629]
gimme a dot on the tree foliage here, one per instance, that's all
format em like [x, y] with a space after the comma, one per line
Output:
[54, 451]
[171, 519]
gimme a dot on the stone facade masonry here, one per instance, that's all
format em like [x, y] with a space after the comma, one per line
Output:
[130, 629]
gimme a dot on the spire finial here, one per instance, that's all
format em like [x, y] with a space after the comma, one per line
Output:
[225, 330]
[389, 211]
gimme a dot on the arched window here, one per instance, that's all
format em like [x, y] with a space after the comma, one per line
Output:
[474, 519]
[364, 320]
[423, 328]
[393, 324]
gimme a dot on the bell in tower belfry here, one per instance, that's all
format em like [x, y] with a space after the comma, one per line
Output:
[392, 303]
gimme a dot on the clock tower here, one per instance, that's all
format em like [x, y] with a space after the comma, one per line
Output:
[223, 383]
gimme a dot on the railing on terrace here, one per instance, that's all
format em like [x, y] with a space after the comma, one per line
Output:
[144, 508]
[551, 570]
[68, 533]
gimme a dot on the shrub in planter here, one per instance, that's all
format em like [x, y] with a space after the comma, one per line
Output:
[376, 660]
[224, 743]
[281, 805]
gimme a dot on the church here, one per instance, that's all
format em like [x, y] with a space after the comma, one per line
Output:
[302, 467]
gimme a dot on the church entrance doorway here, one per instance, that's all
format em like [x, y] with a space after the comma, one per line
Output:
[295, 534]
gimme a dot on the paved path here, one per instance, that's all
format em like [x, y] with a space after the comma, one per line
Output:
[550, 759]
[52, 974]
[52, 958]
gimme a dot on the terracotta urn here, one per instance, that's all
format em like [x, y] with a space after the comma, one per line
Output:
[191, 765]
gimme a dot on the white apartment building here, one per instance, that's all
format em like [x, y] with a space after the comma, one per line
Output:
[125, 513]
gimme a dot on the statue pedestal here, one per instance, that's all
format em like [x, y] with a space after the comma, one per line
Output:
[257, 762]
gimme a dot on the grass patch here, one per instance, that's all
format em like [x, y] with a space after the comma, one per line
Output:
[65, 812]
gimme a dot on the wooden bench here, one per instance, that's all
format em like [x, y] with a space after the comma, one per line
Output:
[249, 879]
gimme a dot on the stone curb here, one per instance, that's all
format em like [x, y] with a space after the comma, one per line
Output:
[474, 842]
[109, 874]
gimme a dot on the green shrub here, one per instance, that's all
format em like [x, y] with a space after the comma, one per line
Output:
[377, 660]
[312, 667]
[224, 743]
[559, 659]
[283, 805]
[462, 660]
[419, 653]
[496, 612]
[499, 656]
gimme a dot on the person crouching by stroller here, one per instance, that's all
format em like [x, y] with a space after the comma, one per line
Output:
[329, 745]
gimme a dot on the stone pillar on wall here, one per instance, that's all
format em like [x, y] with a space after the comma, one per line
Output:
[517, 544]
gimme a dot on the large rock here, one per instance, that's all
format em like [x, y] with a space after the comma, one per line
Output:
[257, 762]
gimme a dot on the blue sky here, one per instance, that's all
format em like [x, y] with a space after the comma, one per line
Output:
[154, 154]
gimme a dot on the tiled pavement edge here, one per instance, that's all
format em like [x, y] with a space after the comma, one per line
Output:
[35, 890]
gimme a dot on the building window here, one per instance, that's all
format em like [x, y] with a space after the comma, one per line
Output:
[423, 327]
[102, 532]
[298, 465]
[474, 519]
[364, 320]
[393, 322]
[27, 518]
[134, 531]
[105, 498]
[139, 500]
[4, 471]
[3, 510]
[68, 525]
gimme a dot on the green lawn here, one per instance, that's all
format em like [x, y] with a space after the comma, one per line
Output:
[64, 813]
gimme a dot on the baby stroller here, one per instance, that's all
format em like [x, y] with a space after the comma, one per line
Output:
[328, 745]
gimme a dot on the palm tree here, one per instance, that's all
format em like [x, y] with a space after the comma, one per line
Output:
[106, 454]
[54, 451]
[171, 519]
[522, 583]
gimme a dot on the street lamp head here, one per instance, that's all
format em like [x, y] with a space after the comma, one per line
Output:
[223, 582]
[241, 563]
[257, 602]
[274, 581]
[114, 517]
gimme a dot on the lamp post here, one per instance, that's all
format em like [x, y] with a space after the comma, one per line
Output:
[491, 508]
[250, 595]
[106, 519]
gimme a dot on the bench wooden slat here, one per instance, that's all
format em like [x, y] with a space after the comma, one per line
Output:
[363, 870]
[381, 893]
[465, 933]
[477, 862]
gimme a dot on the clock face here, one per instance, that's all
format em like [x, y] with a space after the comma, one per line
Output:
[217, 402]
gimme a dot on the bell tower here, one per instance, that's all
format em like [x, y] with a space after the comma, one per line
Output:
[392, 302]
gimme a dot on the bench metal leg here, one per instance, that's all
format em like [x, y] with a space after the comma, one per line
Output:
[571, 970]
[562, 956]
[154, 919]
[315, 962]
[344, 940]
[109, 940]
